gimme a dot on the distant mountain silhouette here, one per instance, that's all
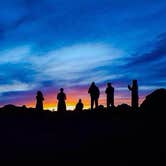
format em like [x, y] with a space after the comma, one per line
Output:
[155, 102]
[13, 108]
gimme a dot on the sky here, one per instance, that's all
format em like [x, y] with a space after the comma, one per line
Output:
[49, 44]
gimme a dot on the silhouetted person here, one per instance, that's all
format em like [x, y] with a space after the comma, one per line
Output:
[94, 94]
[39, 101]
[110, 95]
[134, 95]
[79, 106]
[61, 101]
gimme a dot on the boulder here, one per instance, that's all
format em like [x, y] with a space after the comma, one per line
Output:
[155, 102]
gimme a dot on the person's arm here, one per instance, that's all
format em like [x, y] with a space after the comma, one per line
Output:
[129, 87]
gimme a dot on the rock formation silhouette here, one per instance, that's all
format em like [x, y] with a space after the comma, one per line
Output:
[123, 108]
[155, 102]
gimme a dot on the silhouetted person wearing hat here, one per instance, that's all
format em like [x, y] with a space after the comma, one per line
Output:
[61, 101]
[110, 95]
[79, 106]
[134, 94]
[94, 94]
[39, 101]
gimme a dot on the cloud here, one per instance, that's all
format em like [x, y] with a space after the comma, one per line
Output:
[157, 52]
[67, 66]
[148, 66]
[70, 63]
[15, 87]
[15, 55]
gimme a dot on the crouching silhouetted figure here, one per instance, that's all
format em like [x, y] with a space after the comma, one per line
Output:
[94, 94]
[79, 106]
[134, 95]
[39, 101]
[110, 95]
[61, 101]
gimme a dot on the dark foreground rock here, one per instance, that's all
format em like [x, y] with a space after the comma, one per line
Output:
[155, 102]
[114, 137]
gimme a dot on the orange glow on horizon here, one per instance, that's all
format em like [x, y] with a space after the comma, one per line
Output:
[50, 102]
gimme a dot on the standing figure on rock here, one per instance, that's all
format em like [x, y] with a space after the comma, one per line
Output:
[134, 95]
[61, 101]
[110, 95]
[94, 94]
[39, 101]
[79, 106]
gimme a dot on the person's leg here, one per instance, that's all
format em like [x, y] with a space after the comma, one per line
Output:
[58, 109]
[113, 101]
[64, 106]
[96, 102]
[108, 102]
[92, 103]
[135, 103]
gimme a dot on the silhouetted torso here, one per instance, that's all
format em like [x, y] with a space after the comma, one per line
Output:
[61, 101]
[94, 94]
[39, 101]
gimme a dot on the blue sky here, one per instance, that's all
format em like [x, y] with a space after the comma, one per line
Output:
[48, 44]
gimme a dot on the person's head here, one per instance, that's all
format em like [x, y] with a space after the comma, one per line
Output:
[134, 82]
[80, 101]
[39, 93]
[93, 84]
[109, 84]
[61, 90]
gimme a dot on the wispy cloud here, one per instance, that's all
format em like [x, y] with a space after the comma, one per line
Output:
[15, 87]
[15, 55]
[74, 62]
